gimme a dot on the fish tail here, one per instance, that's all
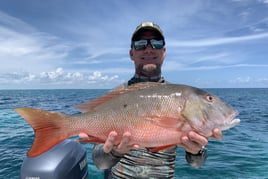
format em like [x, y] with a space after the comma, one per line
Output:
[48, 128]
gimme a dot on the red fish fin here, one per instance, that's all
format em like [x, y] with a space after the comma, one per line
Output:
[92, 105]
[156, 149]
[166, 122]
[48, 128]
[90, 139]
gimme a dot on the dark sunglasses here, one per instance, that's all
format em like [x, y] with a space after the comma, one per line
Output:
[142, 44]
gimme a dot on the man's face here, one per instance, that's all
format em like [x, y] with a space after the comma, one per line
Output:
[148, 62]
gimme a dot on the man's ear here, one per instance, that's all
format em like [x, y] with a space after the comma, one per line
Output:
[131, 54]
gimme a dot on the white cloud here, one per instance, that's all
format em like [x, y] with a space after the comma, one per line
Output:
[29, 51]
[263, 1]
[24, 48]
[172, 65]
[250, 81]
[220, 57]
[58, 78]
[217, 41]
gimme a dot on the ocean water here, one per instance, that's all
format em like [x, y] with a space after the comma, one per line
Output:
[243, 152]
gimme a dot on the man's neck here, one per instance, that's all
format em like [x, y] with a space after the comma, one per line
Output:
[137, 79]
[148, 78]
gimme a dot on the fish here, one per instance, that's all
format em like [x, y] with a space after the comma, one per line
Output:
[155, 114]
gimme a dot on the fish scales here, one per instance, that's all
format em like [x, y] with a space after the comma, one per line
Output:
[127, 111]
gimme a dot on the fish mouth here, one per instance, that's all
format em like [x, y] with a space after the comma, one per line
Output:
[233, 115]
[231, 121]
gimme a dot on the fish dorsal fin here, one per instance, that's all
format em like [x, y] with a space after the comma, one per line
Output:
[93, 104]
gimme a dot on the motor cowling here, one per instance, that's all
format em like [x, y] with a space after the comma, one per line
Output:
[66, 160]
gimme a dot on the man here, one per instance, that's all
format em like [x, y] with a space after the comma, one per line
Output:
[129, 161]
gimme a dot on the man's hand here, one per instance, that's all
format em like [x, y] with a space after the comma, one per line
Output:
[110, 144]
[123, 147]
[194, 142]
[217, 134]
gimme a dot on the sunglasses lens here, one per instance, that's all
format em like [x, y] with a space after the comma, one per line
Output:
[140, 44]
[157, 44]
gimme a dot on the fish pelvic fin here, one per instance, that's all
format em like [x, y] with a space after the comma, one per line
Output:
[157, 149]
[48, 128]
[90, 139]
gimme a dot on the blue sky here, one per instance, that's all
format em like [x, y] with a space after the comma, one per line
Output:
[85, 43]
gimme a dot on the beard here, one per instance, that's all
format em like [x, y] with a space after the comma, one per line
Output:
[149, 70]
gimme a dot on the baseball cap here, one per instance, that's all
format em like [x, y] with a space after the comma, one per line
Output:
[144, 26]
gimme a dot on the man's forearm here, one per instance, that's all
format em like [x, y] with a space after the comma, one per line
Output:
[104, 160]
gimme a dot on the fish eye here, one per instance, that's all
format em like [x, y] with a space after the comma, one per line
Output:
[210, 98]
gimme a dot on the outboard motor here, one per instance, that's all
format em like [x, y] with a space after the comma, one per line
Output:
[67, 160]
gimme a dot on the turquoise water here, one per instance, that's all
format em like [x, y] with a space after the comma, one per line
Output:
[243, 152]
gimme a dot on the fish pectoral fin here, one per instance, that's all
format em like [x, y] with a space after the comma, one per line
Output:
[156, 149]
[90, 139]
[166, 122]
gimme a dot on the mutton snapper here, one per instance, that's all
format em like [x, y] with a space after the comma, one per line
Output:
[155, 115]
